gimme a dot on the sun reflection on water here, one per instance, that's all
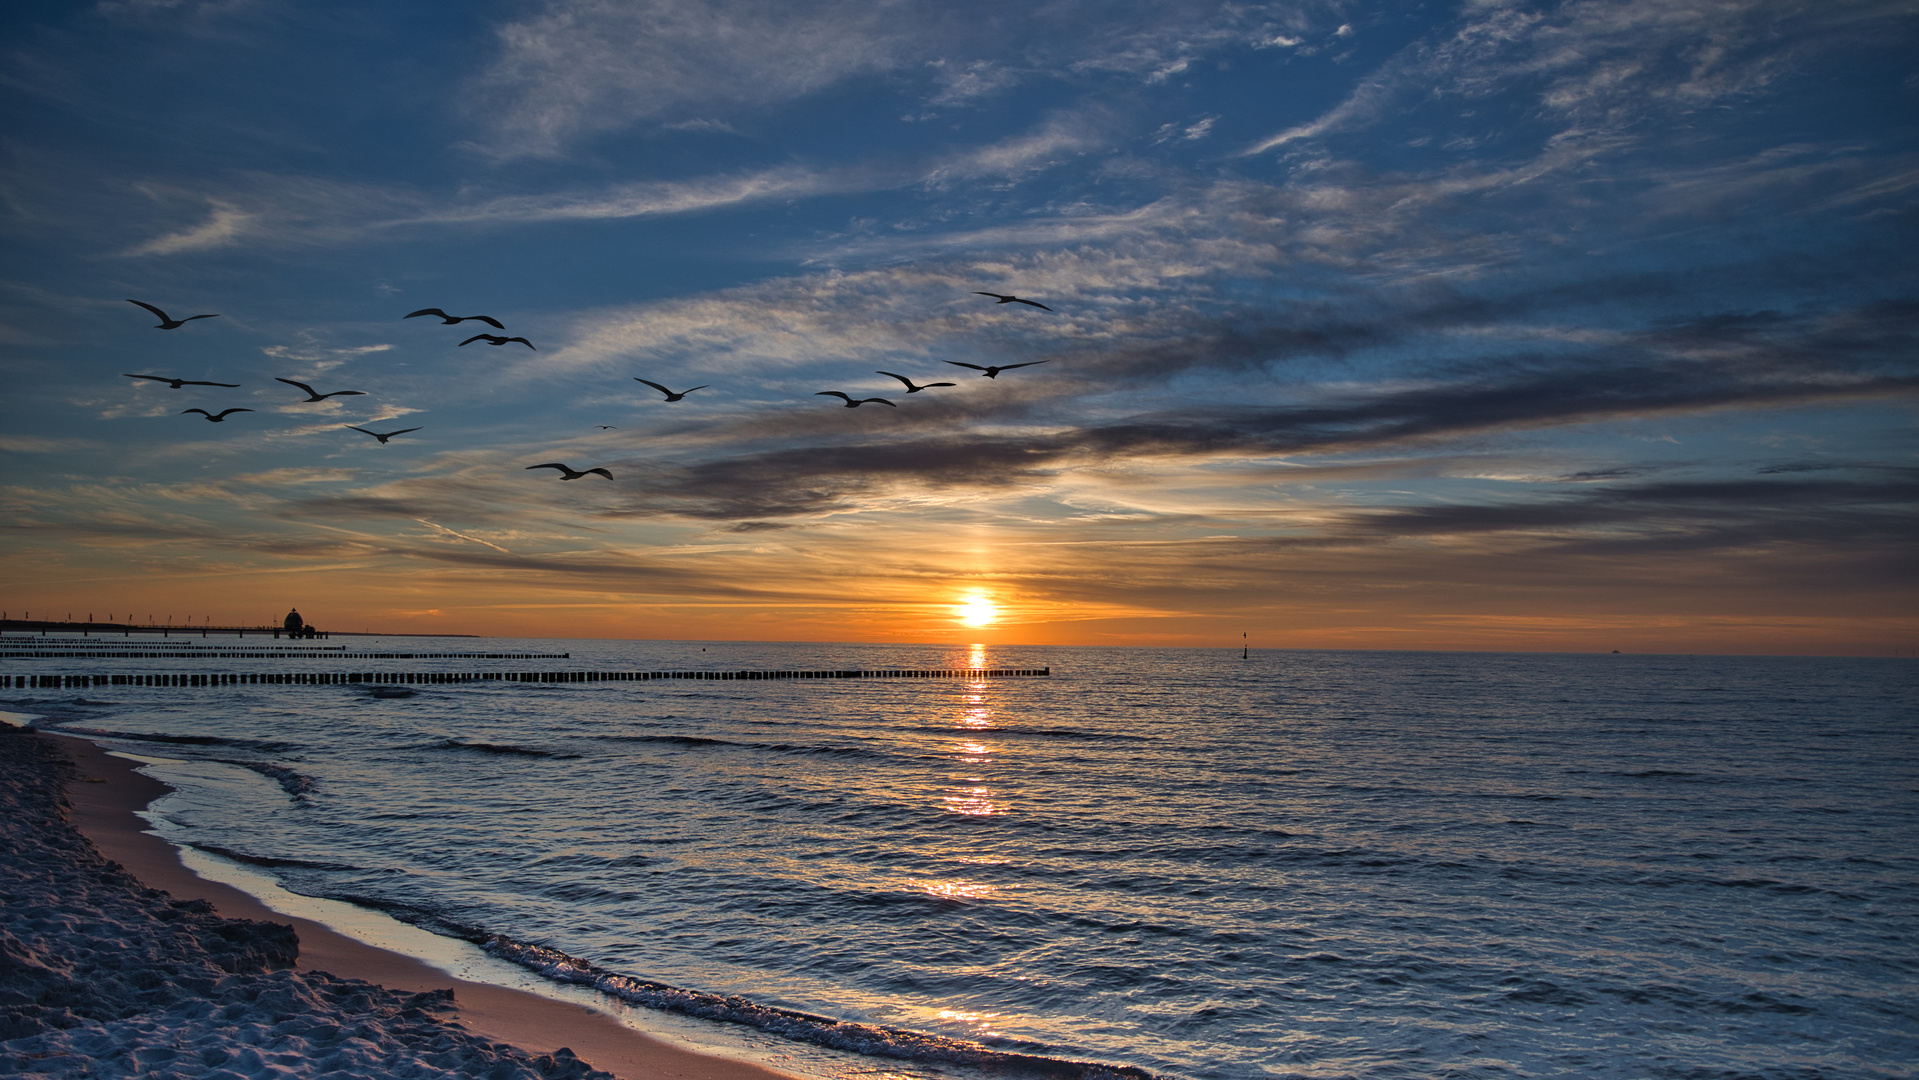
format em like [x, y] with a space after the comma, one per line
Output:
[976, 714]
[971, 801]
[982, 1025]
[968, 793]
[961, 890]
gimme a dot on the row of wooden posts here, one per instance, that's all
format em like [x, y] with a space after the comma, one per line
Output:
[248, 654]
[323, 678]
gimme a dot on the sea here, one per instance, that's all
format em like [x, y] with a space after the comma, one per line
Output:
[1181, 863]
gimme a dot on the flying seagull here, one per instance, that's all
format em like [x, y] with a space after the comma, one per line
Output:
[388, 435]
[993, 372]
[670, 395]
[1012, 300]
[853, 403]
[605, 427]
[312, 395]
[178, 383]
[910, 388]
[214, 417]
[449, 320]
[570, 472]
[495, 339]
[168, 322]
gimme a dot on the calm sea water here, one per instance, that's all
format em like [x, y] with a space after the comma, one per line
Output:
[1311, 864]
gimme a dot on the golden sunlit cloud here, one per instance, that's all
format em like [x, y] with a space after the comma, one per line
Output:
[978, 611]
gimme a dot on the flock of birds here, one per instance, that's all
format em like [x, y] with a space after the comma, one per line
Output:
[567, 472]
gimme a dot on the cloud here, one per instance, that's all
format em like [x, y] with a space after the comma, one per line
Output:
[29, 444]
[961, 82]
[1026, 439]
[1594, 476]
[317, 357]
[258, 208]
[292, 210]
[1677, 517]
[1056, 138]
[579, 67]
[1598, 66]
[444, 531]
[224, 227]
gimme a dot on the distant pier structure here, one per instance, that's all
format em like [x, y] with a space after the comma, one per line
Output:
[293, 626]
[296, 627]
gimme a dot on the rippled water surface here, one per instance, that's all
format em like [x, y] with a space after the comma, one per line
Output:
[1301, 864]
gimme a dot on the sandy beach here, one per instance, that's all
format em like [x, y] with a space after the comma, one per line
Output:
[201, 1012]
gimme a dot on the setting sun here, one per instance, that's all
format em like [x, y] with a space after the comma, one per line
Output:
[978, 611]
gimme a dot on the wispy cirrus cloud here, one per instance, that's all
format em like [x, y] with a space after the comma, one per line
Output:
[1598, 66]
[281, 210]
[578, 68]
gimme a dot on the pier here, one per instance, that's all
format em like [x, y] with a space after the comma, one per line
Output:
[429, 678]
[172, 630]
[230, 653]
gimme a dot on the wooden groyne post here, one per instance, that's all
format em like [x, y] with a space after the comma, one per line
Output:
[419, 678]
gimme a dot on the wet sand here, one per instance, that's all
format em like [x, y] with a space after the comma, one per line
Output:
[105, 802]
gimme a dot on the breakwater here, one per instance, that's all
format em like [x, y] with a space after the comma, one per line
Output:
[328, 678]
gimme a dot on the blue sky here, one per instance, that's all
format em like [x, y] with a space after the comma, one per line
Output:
[1484, 325]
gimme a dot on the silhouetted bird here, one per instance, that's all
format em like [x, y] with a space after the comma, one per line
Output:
[910, 388]
[670, 395]
[495, 339]
[312, 395]
[571, 473]
[1012, 300]
[449, 320]
[214, 417]
[605, 427]
[388, 435]
[168, 322]
[178, 383]
[993, 372]
[853, 403]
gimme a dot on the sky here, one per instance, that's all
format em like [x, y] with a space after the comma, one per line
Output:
[1535, 326]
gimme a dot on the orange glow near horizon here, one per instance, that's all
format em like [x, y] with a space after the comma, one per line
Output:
[373, 599]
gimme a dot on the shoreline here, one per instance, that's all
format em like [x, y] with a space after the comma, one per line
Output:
[108, 794]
